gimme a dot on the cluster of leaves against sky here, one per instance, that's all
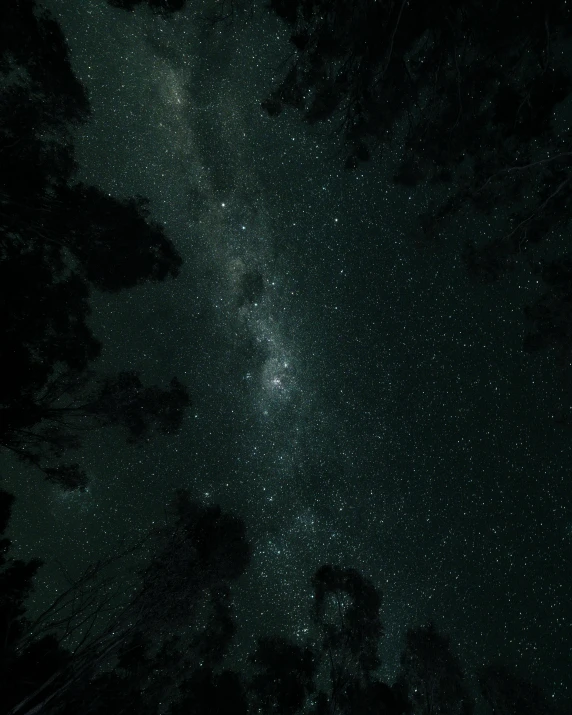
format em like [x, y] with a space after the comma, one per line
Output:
[59, 241]
[483, 83]
[162, 649]
[470, 89]
[473, 88]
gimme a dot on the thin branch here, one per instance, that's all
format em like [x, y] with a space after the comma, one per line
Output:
[391, 44]
[48, 619]
[536, 211]
[524, 166]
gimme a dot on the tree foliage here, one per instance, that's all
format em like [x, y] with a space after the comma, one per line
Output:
[285, 677]
[98, 650]
[468, 94]
[50, 422]
[24, 665]
[430, 675]
[507, 693]
[211, 550]
[162, 647]
[346, 612]
[59, 240]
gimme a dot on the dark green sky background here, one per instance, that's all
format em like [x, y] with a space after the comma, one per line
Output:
[370, 407]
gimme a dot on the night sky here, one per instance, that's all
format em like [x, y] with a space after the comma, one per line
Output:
[356, 399]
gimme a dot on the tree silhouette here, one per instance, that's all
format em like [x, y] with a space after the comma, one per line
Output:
[373, 66]
[206, 692]
[129, 651]
[161, 647]
[470, 90]
[334, 672]
[346, 610]
[24, 665]
[113, 242]
[208, 547]
[431, 676]
[550, 317]
[346, 613]
[51, 422]
[58, 241]
[285, 678]
[509, 694]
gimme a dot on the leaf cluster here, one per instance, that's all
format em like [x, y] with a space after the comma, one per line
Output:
[59, 241]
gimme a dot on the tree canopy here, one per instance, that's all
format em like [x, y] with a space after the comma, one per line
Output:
[97, 650]
[467, 95]
[430, 675]
[483, 83]
[59, 241]
[163, 646]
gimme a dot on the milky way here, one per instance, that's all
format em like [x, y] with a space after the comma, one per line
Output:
[353, 401]
[195, 166]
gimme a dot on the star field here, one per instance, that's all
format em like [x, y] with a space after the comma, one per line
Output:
[355, 399]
